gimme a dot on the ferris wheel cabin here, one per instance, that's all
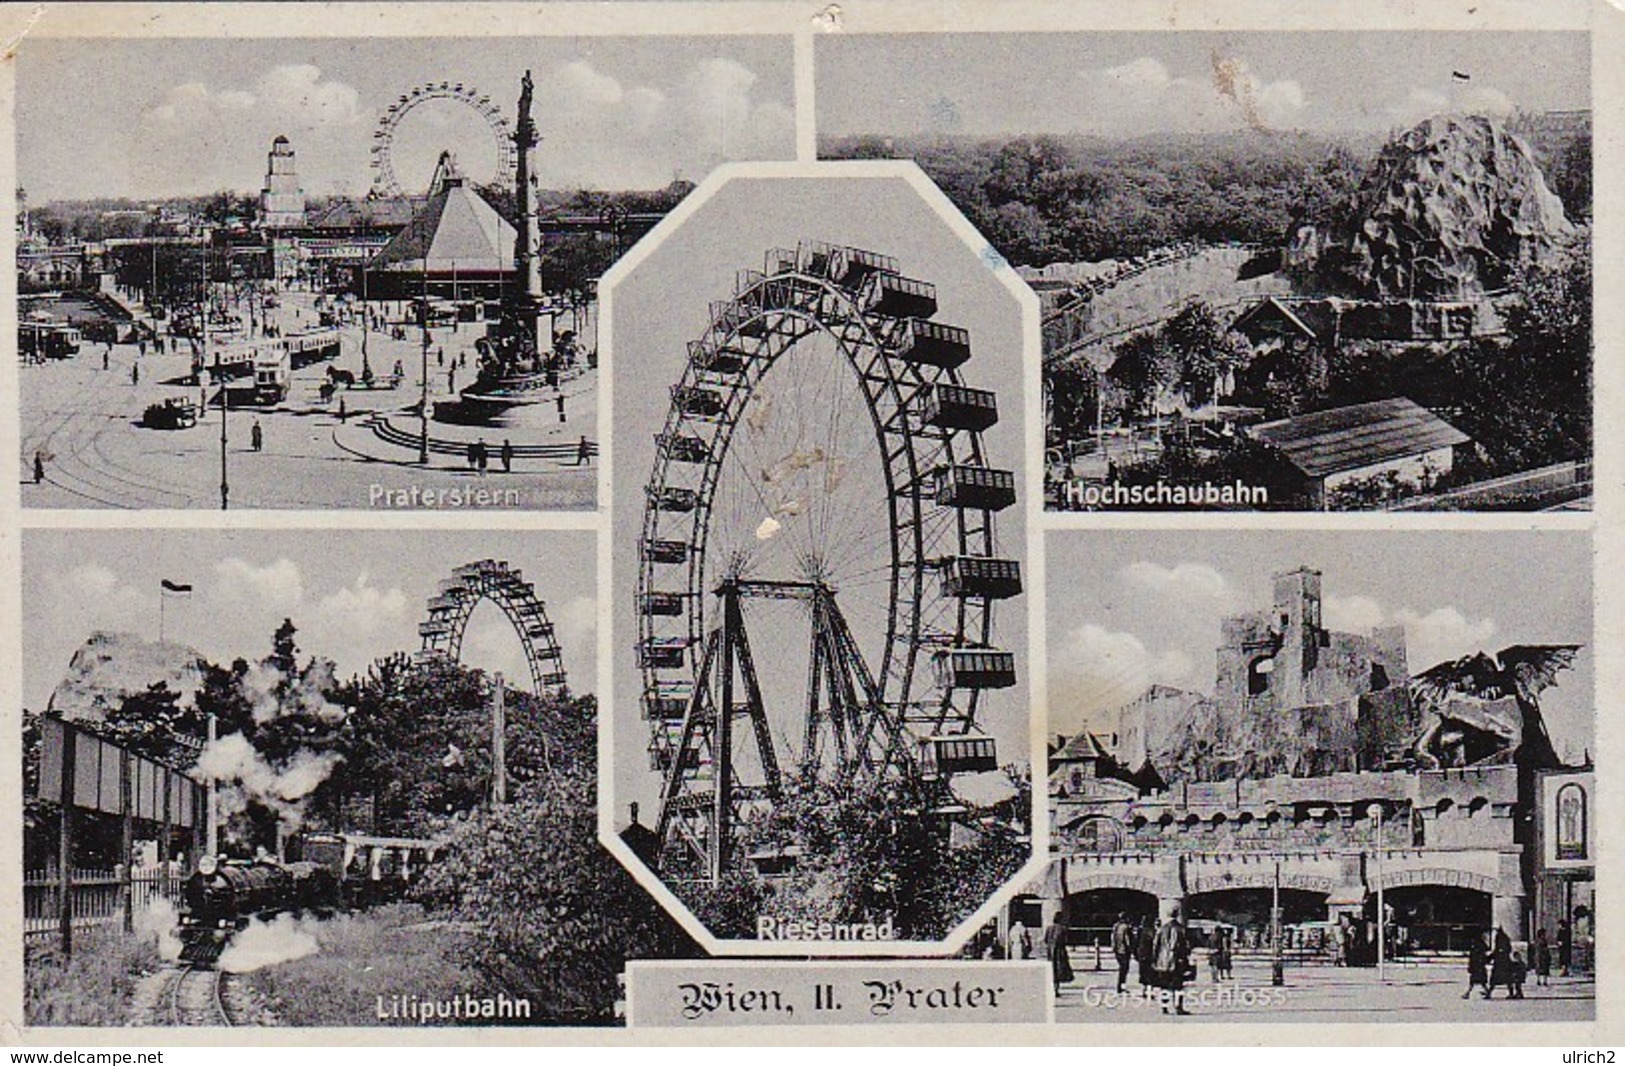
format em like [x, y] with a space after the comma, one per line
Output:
[981, 488]
[941, 756]
[960, 407]
[976, 668]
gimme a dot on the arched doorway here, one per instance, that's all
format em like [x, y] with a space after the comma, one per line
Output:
[1247, 910]
[1090, 915]
[1434, 917]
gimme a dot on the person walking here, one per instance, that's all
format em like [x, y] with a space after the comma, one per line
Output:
[1060, 963]
[473, 455]
[344, 412]
[481, 456]
[507, 456]
[1500, 963]
[1020, 942]
[1145, 942]
[1122, 948]
[1478, 966]
[107, 354]
[1565, 947]
[39, 467]
[1543, 958]
[135, 373]
[559, 401]
[583, 451]
[1171, 961]
[256, 436]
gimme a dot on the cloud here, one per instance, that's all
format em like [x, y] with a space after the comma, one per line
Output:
[577, 623]
[295, 96]
[1354, 614]
[603, 132]
[1095, 671]
[1183, 581]
[361, 615]
[1421, 103]
[1433, 637]
[1442, 634]
[277, 586]
[1144, 93]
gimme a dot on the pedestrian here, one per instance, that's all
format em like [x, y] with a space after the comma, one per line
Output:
[1145, 939]
[158, 343]
[1543, 958]
[1565, 947]
[135, 373]
[39, 467]
[1060, 963]
[141, 346]
[1500, 962]
[107, 353]
[507, 456]
[451, 379]
[440, 359]
[256, 436]
[481, 455]
[1122, 948]
[1020, 942]
[1516, 972]
[583, 451]
[1478, 966]
[344, 414]
[1171, 961]
[559, 400]
[473, 455]
[1219, 955]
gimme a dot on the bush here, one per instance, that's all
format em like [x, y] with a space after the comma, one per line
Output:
[94, 987]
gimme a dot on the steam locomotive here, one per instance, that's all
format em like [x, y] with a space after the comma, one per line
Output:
[325, 873]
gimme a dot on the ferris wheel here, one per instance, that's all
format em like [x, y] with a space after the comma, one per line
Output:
[820, 489]
[384, 180]
[491, 579]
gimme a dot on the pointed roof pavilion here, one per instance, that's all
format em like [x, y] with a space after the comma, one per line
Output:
[456, 232]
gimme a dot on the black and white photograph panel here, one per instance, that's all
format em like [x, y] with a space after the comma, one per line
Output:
[820, 551]
[313, 274]
[291, 780]
[1279, 270]
[1325, 777]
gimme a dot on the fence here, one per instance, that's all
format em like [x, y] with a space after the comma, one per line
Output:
[97, 897]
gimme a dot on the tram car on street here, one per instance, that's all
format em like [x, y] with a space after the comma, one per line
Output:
[39, 341]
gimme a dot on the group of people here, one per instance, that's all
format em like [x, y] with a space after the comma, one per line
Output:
[479, 456]
[1162, 951]
[1494, 962]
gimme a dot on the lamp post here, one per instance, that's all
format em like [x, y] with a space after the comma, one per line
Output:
[1277, 962]
[1374, 813]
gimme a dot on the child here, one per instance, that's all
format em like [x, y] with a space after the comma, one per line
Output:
[1518, 971]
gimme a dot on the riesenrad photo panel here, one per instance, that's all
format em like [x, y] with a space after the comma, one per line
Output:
[821, 576]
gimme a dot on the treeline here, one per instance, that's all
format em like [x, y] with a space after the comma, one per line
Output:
[1048, 199]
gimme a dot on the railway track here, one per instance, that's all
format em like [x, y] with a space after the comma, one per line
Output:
[196, 997]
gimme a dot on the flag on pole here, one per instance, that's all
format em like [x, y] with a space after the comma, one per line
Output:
[174, 586]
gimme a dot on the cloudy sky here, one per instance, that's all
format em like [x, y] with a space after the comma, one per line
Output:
[170, 117]
[353, 595]
[1127, 84]
[1128, 610]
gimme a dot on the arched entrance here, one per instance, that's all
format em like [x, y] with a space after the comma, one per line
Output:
[1090, 915]
[1248, 911]
[1434, 917]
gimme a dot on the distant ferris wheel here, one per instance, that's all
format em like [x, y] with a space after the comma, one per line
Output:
[384, 180]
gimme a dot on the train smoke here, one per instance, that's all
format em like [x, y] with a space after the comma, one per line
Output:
[272, 694]
[161, 921]
[261, 943]
[243, 775]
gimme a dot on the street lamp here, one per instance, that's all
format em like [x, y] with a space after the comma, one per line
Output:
[1375, 813]
[1277, 963]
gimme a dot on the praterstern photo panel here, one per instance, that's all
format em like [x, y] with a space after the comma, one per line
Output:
[315, 274]
[820, 554]
[1340, 271]
[1319, 776]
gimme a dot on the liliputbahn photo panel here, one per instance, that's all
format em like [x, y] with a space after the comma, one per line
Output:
[693, 603]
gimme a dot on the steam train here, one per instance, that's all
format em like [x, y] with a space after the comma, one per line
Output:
[324, 873]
